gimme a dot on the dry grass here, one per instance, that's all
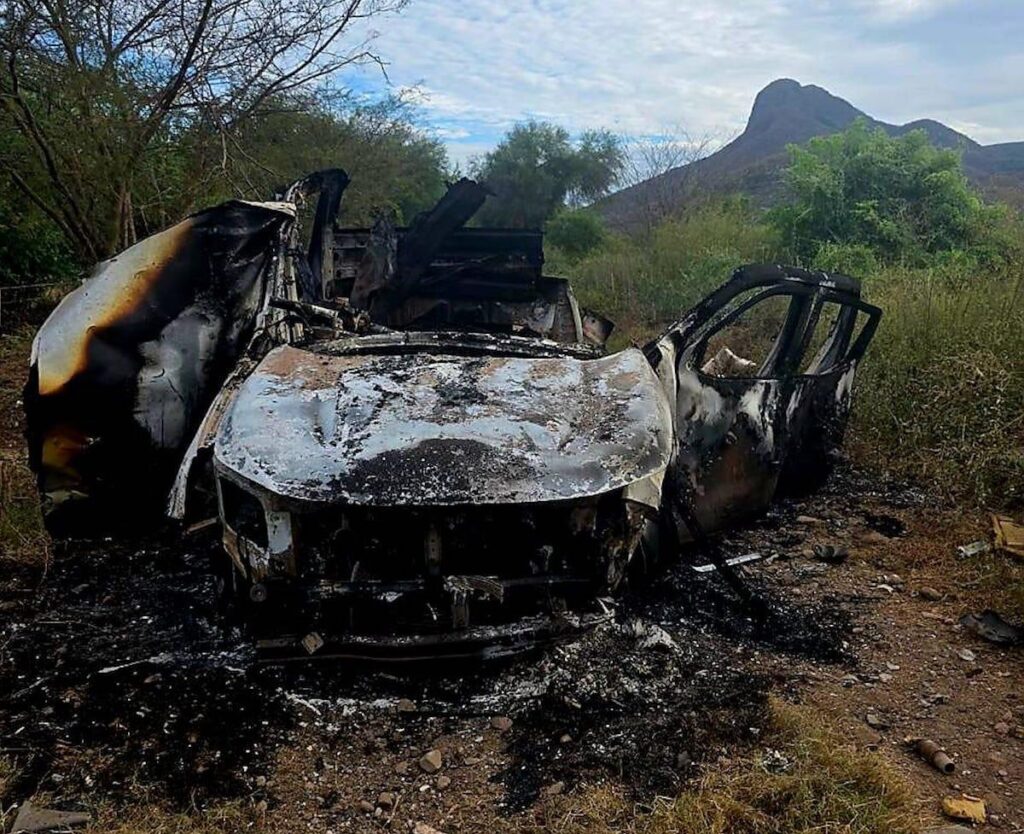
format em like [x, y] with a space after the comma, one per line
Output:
[22, 537]
[153, 819]
[137, 817]
[644, 283]
[941, 394]
[805, 778]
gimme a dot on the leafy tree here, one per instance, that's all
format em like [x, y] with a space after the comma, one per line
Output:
[900, 197]
[31, 248]
[98, 90]
[391, 164]
[576, 232]
[537, 169]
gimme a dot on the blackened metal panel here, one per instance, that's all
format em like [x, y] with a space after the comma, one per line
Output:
[740, 441]
[435, 430]
[124, 368]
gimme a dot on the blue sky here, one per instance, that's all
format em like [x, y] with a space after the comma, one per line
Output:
[649, 67]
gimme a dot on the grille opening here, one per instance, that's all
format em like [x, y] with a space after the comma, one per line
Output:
[243, 513]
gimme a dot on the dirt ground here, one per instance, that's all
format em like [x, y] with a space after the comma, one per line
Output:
[121, 685]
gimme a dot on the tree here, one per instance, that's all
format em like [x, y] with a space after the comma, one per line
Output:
[901, 197]
[660, 171]
[391, 164]
[98, 91]
[536, 170]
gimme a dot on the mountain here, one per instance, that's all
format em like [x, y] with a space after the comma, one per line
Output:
[787, 112]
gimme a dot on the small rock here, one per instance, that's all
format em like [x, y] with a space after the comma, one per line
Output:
[386, 800]
[443, 782]
[892, 667]
[849, 680]
[261, 781]
[808, 519]
[554, 789]
[929, 593]
[653, 636]
[1002, 773]
[430, 762]
[892, 579]
[995, 804]
[33, 818]
[876, 722]
[1002, 728]
[565, 738]
[966, 654]
[831, 554]
[365, 806]
[402, 768]
[884, 677]
[405, 705]
[423, 828]
[501, 723]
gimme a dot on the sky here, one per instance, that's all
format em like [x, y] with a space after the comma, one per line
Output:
[665, 67]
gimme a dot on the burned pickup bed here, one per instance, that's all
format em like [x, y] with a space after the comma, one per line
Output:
[412, 439]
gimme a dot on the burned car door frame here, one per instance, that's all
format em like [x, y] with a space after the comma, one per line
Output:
[741, 440]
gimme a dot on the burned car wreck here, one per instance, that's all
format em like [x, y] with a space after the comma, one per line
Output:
[411, 437]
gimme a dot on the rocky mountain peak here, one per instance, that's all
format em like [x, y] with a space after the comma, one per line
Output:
[786, 99]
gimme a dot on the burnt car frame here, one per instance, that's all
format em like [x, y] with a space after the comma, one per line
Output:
[412, 438]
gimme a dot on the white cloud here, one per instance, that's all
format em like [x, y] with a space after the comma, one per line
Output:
[892, 10]
[635, 65]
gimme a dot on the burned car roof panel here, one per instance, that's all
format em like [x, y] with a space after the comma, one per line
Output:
[433, 430]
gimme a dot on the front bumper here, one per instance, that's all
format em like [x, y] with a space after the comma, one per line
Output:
[396, 583]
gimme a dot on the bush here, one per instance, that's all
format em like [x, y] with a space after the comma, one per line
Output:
[854, 259]
[32, 250]
[941, 392]
[575, 233]
[901, 197]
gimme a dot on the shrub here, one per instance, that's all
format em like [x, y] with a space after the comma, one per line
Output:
[575, 233]
[902, 197]
[854, 259]
[32, 250]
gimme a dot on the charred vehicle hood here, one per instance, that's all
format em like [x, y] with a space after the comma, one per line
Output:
[428, 429]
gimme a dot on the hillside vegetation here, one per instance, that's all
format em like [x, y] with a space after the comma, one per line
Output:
[940, 397]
